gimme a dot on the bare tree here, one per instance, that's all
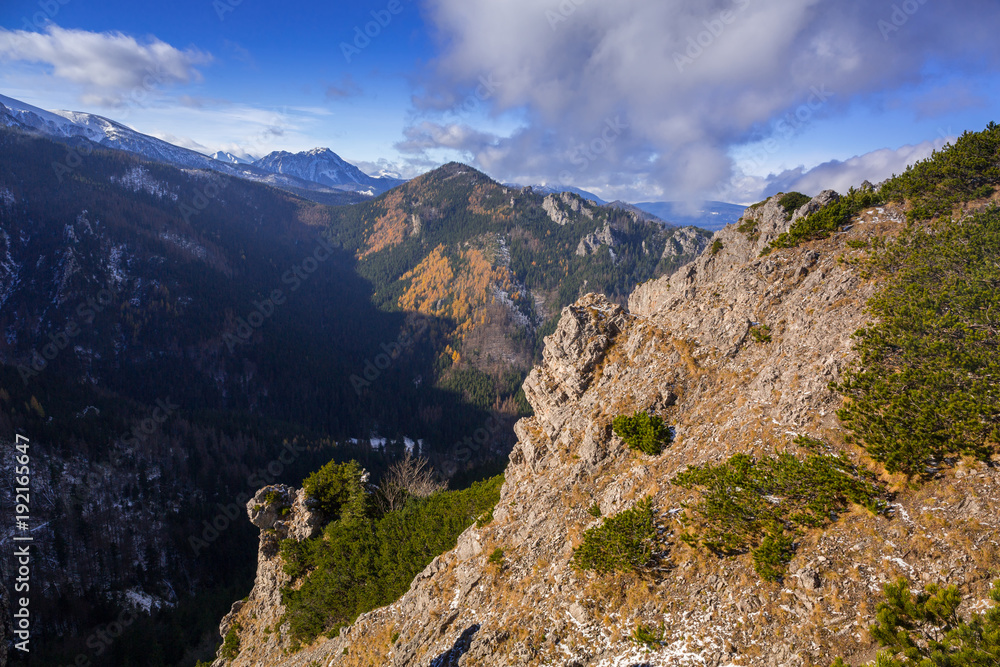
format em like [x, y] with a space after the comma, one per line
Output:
[410, 476]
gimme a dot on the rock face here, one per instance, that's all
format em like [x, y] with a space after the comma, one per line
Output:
[280, 512]
[685, 242]
[683, 351]
[590, 243]
[555, 204]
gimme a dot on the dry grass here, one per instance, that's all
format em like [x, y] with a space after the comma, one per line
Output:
[374, 650]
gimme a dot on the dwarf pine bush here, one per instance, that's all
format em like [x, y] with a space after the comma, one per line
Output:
[624, 542]
[642, 432]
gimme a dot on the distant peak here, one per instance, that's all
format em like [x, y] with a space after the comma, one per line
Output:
[320, 150]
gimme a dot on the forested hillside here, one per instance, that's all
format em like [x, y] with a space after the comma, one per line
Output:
[496, 264]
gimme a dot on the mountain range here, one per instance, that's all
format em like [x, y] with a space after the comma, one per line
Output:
[318, 174]
[318, 171]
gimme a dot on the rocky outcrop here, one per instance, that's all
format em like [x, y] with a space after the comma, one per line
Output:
[557, 204]
[280, 512]
[683, 351]
[590, 243]
[685, 242]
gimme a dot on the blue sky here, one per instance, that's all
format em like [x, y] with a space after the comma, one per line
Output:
[633, 99]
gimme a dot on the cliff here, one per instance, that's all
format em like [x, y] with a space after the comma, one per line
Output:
[735, 351]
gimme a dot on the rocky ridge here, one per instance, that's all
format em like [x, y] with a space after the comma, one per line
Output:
[683, 350]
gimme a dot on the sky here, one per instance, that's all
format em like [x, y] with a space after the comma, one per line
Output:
[640, 100]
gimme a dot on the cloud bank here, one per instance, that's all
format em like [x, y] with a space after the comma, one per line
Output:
[645, 96]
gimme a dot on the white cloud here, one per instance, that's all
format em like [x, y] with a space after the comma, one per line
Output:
[108, 67]
[838, 175]
[689, 79]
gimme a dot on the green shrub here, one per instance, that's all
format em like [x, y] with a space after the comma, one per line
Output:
[924, 629]
[484, 519]
[497, 557]
[272, 496]
[649, 636]
[338, 490]
[927, 381]
[772, 556]
[231, 644]
[594, 511]
[743, 499]
[749, 227]
[624, 542]
[642, 432]
[969, 169]
[792, 202]
[761, 334]
[716, 247]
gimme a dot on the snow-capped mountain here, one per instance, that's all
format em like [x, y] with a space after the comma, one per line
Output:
[225, 156]
[323, 166]
[100, 130]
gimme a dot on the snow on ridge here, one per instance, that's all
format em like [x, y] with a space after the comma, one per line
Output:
[138, 178]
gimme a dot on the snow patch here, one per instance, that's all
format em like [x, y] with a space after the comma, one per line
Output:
[139, 179]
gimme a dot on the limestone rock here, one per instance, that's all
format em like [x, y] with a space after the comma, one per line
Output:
[592, 242]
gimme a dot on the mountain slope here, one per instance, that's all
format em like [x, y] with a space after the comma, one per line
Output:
[227, 321]
[168, 336]
[223, 156]
[692, 349]
[498, 264]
